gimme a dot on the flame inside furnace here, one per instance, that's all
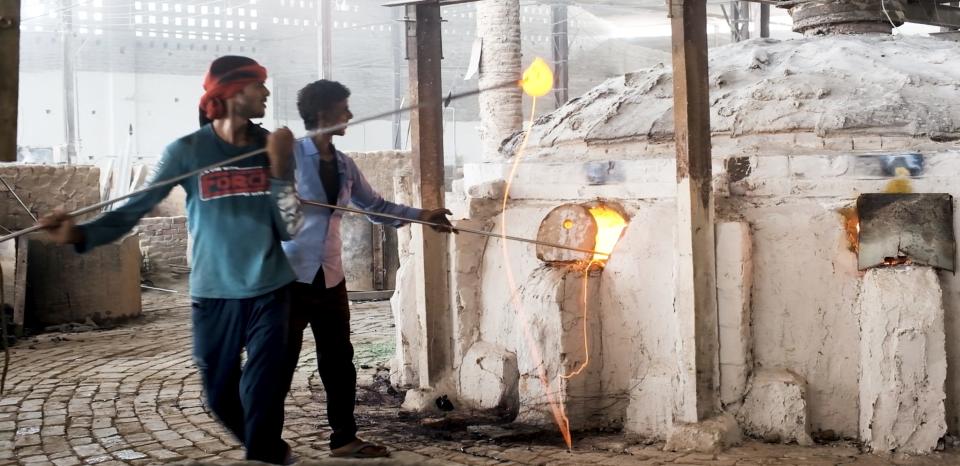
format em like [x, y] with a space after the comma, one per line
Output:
[610, 225]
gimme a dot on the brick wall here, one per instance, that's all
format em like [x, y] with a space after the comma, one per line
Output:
[44, 188]
[102, 285]
[163, 242]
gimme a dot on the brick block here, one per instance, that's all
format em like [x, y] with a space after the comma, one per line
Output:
[45, 188]
[60, 279]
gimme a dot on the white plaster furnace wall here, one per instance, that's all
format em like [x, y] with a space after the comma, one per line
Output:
[636, 302]
[902, 360]
[805, 283]
[804, 292]
[802, 302]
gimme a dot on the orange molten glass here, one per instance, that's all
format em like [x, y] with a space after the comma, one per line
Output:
[610, 225]
[537, 79]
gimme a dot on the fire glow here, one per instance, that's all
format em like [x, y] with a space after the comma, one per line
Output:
[537, 82]
[851, 225]
[586, 338]
[610, 225]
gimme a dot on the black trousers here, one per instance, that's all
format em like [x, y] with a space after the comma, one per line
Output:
[327, 310]
[244, 399]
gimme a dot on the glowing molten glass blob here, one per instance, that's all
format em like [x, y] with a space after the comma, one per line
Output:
[537, 79]
[610, 225]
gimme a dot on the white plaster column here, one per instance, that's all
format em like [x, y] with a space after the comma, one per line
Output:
[734, 282]
[903, 360]
[501, 110]
[403, 303]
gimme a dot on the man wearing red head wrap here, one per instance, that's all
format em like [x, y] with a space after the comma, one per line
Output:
[227, 77]
[238, 215]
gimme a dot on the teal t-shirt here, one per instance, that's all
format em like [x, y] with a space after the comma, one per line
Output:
[237, 216]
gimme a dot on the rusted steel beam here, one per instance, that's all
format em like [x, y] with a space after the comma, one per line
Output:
[695, 300]
[9, 77]
[378, 239]
[424, 49]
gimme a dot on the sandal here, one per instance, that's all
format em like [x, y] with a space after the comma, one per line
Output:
[360, 449]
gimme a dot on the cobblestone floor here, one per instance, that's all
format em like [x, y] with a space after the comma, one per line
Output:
[131, 395]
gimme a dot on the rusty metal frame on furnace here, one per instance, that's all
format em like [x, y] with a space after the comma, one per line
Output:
[916, 225]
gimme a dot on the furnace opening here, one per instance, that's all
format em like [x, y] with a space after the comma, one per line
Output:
[610, 225]
[594, 226]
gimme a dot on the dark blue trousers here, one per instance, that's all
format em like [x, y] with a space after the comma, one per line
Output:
[248, 400]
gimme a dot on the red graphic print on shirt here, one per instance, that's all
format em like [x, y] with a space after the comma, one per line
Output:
[234, 181]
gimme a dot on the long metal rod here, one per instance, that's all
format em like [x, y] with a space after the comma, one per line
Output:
[455, 229]
[10, 188]
[158, 289]
[176, 179]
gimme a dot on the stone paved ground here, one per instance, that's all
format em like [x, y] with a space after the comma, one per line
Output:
[131, 395]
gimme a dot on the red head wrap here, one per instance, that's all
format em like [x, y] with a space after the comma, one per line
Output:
[220, 87]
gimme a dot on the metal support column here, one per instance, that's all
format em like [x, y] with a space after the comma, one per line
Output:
[764, 20]
[739, 20]
[325, 42]
[10, 80]
[69, 84]
[424, 49]
[399, 55]
[378, 240]
[561, 52]
[695, 305]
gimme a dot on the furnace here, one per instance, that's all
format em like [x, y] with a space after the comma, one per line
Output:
[802, 312]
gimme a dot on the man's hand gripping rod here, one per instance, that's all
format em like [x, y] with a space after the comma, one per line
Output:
[177, 179]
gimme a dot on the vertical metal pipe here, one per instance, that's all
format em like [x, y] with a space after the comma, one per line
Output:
[325, 42]
[424, 40]
[561, 52]
[10, 84]
[764, 20]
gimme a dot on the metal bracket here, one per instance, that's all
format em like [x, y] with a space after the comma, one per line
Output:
[918, 227]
